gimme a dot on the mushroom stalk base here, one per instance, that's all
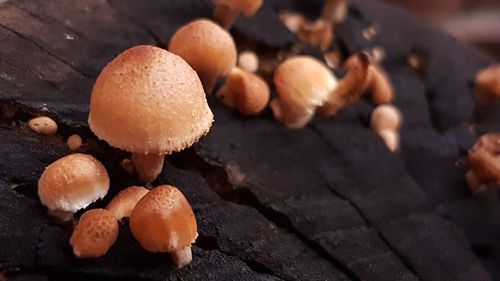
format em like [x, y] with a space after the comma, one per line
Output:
[60, 216]
[182, 257]
[147, 166]
[225, 16]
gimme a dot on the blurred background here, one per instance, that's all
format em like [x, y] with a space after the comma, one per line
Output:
[476, 22]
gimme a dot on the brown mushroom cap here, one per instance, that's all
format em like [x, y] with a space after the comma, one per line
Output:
[386, 117]
[302, 83]
[247, 7]
[245, 91]
[484, 159]
[124, 202]
[207, 47]
[72, 183]
[488, 83]
[94, 234]
[148, 100]
[163, 220]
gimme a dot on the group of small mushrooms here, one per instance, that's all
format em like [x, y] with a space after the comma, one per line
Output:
[152, 102]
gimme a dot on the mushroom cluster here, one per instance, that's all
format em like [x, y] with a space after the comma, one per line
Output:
[151, 102]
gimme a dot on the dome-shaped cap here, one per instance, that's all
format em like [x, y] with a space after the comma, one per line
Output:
[72, 183]
[148, 100]
[163, 221]
[207, 47]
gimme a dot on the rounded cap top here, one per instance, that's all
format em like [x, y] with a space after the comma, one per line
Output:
[163, 220]
[125, 201]
[386, 117]
[246, 92]
[72, 183]
[247, 7]
[148, 100]
[206, 46]
[303, 82]
[95, 233]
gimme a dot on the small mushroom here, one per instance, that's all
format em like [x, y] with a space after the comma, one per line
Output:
[208, 48]
[292, 20]
[351, 86]
[386, 121]
[72, 183]
[484, 163]
[303, 84]
[488, 84]
[317, 34]
[150, 102]
[122, 205]
[334, 10]
[74, 142]
[227, 11]
[163, 221]
[245, 92]
[249, 61]
[94, 234]
[43, 125]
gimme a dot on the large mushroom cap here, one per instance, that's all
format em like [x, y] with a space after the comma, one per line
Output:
[148, 100]
[163, 220]
[206, 46]
[72, 183]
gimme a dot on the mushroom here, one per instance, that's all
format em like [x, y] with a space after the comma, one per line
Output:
[74, 142]
[226, 11]
[351, 86]
[94, 234]
[317, 34]
[362, 76]
[249, 61]
[386, 121]
[150, 102]
[484, 163]
[334, 10]
[72, 183]
[245, 92]
[208, 48]
[43, 125]
[303, 84]
[488, 84]
[122, 205]
[292, 20]
[163, 221]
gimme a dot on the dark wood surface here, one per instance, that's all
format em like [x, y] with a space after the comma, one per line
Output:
[328, 202]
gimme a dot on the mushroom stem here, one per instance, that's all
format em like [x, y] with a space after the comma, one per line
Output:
[60, 216]
[334, 10]
[475, 184]
[225, 16]
[208, 80]
[351, 87]
[147, 166]
[182, 257]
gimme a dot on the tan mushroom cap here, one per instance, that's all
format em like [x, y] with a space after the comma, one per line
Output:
[247, 7]
[302, 83]
[207, 47]
[148, 100]
[124, 202]
[163, 220]
[245, 91]
[72, 183]
[94, 234]
[386, 117]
